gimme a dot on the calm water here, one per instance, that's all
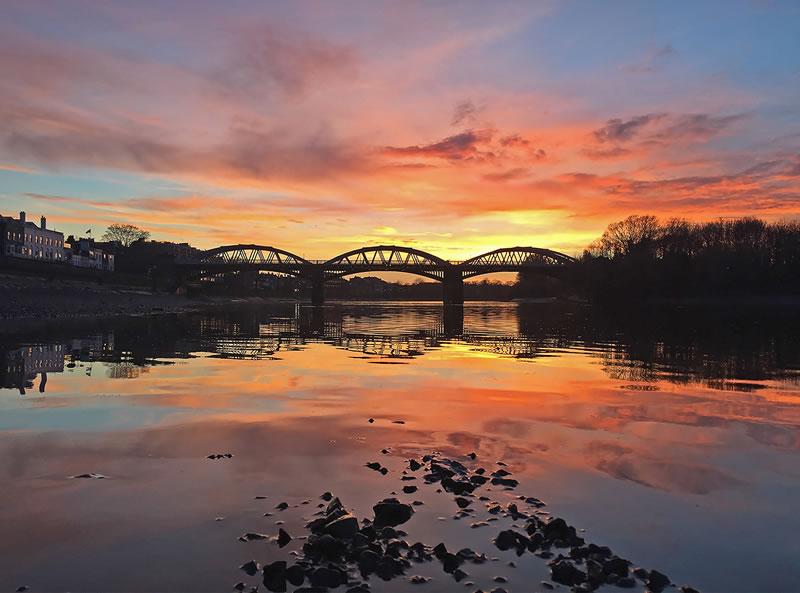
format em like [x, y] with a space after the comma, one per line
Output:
[671, 436]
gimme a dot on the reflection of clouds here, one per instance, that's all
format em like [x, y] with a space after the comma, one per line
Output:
[626, 463]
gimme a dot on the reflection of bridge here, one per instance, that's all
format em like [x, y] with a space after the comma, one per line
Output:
[266, 339]
[375, 259]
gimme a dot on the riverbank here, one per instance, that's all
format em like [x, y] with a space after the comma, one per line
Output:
[26, 301]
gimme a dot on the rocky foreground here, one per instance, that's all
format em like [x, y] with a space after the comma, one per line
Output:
[343, 551]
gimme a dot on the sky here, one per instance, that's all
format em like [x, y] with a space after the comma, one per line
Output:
[453, 127]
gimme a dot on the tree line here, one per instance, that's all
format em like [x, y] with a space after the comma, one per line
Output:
[643, 257]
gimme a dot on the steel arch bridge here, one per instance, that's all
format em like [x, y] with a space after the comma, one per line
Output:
[380, 258]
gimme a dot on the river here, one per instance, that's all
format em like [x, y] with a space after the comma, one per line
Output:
[670, 435]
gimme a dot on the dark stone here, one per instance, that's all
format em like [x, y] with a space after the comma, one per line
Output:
[656, 581]
[327, 577]
[616, 565]
[409, 489]
[459, 575]
[275, 576]
[345, 527]
[418, 579]
[250, 536]
[238, 586]
[251, 567]
[326, 496]
[414, 465]
[462, 502]
[626, 583]
[507, 482]
[282, 506]
[566, 573]
[371, 420]
[450, 562]
[688, 589]
[368, 561]
[472, 456]
[509, 538]
[391, 512]
[283, 538]
[295, 575]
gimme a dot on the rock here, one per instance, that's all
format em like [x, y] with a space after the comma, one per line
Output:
[500, 579]
[656, 581]
[472, 455]
[391, 512]
[418, 579]
[373, 465]
[251, 567]
[459, 575]
[509, 538]
[566, 573]
[22, 588]
[462, 502]
[371, 420]
[450, 562]
[398, 421]
[616, 565]
[282, 506]
[327, 577]
[275, 576]
[295, 575]
[238, 586]
[547, 585]
[283, 538]
[507, 482]
[326, 496]
[688, 589]
[409, 489]
[251, 536]
[414, 465]
[626, 583]
[345, 527]
[259, 497]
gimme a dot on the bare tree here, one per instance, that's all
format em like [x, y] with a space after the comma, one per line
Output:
[126, 234]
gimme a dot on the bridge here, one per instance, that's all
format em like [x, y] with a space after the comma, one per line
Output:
[380, 258]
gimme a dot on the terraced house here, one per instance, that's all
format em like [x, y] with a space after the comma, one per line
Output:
[23, 239]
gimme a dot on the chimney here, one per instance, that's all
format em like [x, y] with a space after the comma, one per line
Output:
[43, 225]
[22, 217]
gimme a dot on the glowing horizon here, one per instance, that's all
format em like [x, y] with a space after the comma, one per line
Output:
[455, 128]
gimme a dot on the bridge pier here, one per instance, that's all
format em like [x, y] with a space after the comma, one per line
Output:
[317, 286]
[453, 287]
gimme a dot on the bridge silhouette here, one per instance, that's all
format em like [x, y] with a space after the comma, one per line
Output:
[380, 258]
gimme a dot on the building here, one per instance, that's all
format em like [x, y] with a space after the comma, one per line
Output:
[25, 240]
[86, 253]
[20, 366]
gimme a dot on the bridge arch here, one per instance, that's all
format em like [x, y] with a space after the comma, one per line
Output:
[387, 258]
[513, 259]
[251, 255]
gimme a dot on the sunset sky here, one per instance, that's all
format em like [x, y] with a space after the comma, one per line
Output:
[455, 127]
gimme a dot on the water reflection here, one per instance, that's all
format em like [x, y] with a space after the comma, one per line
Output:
[724, 349]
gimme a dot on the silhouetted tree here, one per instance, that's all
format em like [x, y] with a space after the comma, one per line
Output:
[126, 234]
[642, 257]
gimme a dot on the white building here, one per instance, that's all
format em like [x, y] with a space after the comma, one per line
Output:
[25, 240]
[83, 253]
